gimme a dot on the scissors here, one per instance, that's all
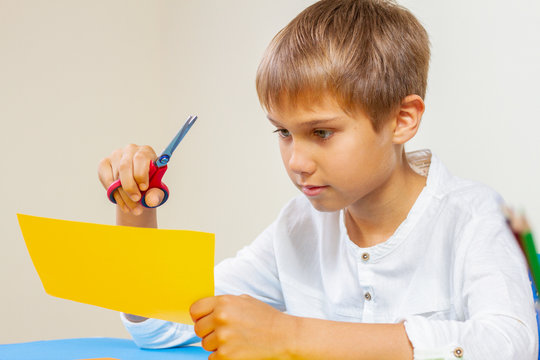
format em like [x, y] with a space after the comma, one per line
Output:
[157, 167]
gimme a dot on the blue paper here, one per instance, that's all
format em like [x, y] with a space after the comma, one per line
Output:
[88, 348]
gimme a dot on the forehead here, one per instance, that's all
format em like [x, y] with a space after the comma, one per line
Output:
[306, 105]
[310, 110]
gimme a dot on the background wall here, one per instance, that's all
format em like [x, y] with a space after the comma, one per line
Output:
[81, 78]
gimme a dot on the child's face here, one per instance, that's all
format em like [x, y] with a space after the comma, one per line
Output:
[335, 159]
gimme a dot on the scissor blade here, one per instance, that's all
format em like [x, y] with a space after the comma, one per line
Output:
[189, 123]
[163, 159]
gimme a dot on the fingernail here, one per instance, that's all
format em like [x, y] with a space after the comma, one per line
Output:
[135, 197]
[138, 210]
[143, 187]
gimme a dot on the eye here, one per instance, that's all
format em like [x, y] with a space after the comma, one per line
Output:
[283, 133]
[323, 134]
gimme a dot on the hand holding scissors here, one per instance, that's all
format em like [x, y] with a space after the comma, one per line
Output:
[157, 168]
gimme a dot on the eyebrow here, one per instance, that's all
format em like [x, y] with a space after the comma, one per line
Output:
[311, 123]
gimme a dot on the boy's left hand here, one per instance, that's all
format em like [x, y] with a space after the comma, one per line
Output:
[241, 327]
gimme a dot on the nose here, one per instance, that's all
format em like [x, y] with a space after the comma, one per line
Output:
[301, 159]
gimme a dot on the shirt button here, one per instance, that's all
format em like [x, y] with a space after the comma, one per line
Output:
[458, 352]
[365, 256]
[367, 295]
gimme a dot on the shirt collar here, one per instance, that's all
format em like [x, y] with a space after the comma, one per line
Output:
[425, 163]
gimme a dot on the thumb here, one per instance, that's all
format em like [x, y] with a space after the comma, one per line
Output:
[154, 197]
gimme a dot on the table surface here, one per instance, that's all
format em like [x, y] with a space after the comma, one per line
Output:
[92, 348]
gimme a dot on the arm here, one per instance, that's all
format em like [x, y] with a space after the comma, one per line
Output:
[130, 164]
[322, 339]
[148, 219]
[241, 327]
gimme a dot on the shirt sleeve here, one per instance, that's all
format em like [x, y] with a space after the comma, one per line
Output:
[253, 272]
[498, 308]
[159, 334]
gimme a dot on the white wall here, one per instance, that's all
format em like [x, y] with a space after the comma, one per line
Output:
[78, 79]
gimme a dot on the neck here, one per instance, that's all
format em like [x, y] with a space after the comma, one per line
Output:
[373, 219]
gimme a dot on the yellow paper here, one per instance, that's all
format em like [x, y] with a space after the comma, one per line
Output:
[148, 272]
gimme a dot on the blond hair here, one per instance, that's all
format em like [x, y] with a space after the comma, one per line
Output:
[368, 54]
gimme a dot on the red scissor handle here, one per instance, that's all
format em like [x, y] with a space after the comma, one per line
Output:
[155, 175]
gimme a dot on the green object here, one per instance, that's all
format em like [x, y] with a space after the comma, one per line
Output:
[530, 253]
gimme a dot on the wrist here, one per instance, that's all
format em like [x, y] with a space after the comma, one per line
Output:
[147, 219]
[290, 335]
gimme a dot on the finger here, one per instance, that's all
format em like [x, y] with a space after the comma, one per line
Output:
[154, 197]
[210, 343]
[141, 166]
[120, 202]
[204, 325]
[126, 174]
[105, 173]
[130, 204]
[114, 158]
[202, 308]
[122, 199]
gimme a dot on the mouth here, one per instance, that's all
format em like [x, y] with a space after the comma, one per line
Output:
[312, 190]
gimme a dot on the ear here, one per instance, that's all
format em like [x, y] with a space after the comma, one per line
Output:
[408, 118]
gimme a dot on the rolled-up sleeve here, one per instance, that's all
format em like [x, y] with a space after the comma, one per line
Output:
[491, 338]
[159, 334]
[494, 297]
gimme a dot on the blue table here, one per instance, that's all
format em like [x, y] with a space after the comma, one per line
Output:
[88, 348]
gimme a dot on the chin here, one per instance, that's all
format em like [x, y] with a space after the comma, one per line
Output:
[324, 206]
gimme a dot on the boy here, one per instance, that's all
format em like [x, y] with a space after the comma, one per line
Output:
[386, 255]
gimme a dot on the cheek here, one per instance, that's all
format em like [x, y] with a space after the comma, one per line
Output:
[361, 161]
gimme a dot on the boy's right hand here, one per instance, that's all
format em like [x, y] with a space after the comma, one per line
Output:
[131, 165]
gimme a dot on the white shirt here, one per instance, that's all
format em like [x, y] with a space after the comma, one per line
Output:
[452, 272]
